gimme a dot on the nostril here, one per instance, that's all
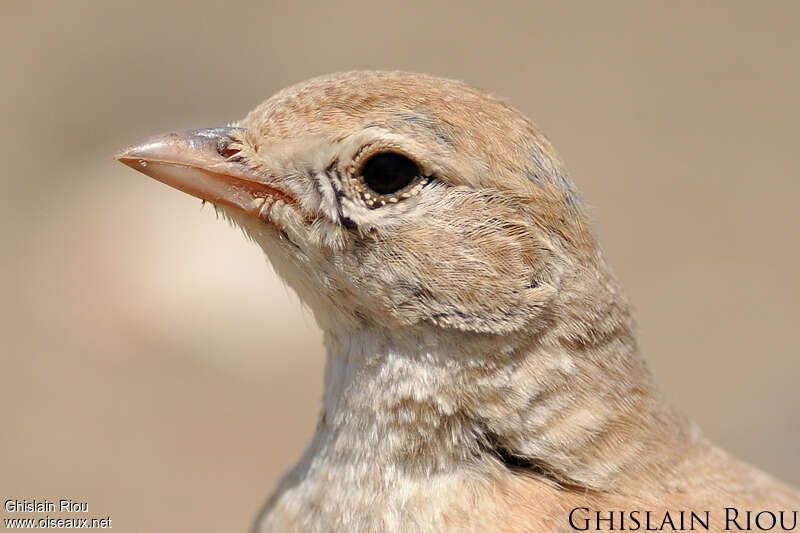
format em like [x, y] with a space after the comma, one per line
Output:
[226, 150]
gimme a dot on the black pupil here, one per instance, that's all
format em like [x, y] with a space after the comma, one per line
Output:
[388, 173]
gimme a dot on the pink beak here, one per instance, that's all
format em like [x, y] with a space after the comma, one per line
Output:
[200, 163]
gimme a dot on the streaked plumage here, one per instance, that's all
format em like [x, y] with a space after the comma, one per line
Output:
[483, 372]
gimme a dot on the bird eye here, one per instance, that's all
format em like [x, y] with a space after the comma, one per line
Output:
[388, 173]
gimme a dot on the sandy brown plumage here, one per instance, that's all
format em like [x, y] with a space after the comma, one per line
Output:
[483, 372]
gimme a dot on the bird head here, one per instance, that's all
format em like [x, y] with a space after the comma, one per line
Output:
[394, 200]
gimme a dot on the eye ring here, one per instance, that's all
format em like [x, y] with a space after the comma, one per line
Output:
[385, 177]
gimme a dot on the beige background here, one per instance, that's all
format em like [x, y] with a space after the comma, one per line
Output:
[152, 364]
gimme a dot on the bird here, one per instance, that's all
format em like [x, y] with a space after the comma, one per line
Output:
[483, 371]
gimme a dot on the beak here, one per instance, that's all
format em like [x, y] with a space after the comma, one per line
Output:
[200, 163]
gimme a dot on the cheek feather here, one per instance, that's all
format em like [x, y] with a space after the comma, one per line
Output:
[437, 264]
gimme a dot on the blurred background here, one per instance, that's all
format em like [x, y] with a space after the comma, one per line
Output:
[153, 365]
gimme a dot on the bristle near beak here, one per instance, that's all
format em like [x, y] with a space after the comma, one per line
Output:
[203, 163]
